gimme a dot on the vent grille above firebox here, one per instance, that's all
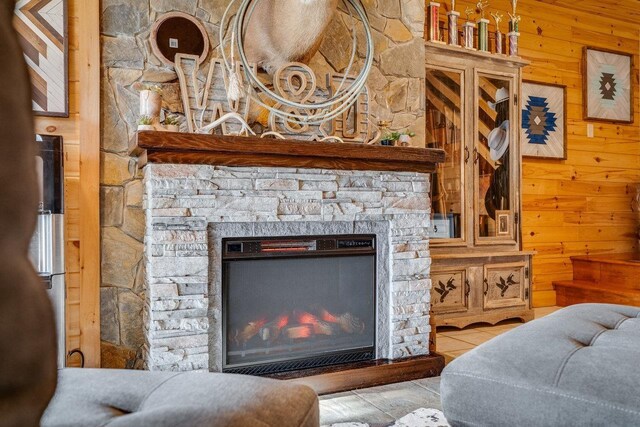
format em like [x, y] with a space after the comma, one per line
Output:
[298, 365]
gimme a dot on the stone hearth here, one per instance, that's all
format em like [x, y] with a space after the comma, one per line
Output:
[190, 208]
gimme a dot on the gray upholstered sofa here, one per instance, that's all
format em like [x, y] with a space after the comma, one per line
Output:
[577, 367]
[87, 397]
[101, 397]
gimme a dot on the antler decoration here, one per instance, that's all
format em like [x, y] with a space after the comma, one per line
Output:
[514, 3]
[481, 6]
[469, 11]
[497, 16]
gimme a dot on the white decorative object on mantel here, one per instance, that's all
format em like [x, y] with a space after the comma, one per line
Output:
[209, 108]
[225, 120]
[205, 103]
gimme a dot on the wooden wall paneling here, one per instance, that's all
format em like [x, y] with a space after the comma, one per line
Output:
[81, 142]
[583, 205]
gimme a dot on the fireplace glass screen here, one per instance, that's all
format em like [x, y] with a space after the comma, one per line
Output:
[298, 303]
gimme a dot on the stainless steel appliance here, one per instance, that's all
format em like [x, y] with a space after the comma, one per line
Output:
[47, 245]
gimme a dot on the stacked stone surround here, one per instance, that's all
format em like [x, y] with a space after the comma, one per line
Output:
[189, 209]
[396, 84]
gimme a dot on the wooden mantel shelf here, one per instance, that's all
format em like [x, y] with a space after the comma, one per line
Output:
[188, 148]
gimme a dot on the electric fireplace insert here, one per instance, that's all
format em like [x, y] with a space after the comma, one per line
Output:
[298, 303]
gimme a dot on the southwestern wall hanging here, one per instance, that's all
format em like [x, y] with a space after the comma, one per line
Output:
[42, 30]
[544, 130]
[608, 91]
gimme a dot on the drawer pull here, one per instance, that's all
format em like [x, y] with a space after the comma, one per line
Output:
[486, 286]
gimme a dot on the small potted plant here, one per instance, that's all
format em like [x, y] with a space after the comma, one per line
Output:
[390, 139]
[145, 123]
[404, 138]
[150, 99]
[172, 123]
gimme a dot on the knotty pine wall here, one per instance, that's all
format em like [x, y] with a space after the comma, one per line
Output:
[585, 204]
[82, 314]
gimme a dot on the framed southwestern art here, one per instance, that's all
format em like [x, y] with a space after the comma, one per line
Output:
[544, 121]
[607, 85]
[42, 31]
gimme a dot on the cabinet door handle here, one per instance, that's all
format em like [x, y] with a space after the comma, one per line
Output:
[468, 288]
[466, 155]
[486, 286]
[476, 155]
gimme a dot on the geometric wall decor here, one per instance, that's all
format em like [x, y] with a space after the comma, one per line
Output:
[42, 32]
[607, 85]
[544, 129]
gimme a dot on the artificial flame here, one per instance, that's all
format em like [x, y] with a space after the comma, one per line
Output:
[282, 321]
[305, 325]
[307, 318]
[328, 317]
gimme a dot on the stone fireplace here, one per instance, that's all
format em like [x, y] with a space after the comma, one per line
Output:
[191, 209]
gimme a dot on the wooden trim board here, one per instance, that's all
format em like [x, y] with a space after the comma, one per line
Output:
[187, 148]
[335, 379]
[89, 69]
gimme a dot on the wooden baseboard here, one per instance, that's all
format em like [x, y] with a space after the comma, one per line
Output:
[335, 379]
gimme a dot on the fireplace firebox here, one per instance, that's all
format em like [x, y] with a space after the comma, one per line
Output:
[298, 302]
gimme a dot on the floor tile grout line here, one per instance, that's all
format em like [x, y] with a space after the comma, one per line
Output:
[374, 405]
[426, 388]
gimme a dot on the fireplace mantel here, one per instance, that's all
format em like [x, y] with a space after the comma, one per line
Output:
[187, 148]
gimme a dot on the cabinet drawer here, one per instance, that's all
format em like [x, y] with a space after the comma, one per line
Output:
[450, 291]
[505, 285]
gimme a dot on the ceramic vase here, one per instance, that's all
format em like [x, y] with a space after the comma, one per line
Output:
[150, 103]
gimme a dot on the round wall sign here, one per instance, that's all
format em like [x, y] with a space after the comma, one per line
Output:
[178, 32]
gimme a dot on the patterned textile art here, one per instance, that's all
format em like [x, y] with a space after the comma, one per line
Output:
[608, 86]
[42, 29]
[543, 121]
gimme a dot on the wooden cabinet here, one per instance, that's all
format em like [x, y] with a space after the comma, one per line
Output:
[479, 271]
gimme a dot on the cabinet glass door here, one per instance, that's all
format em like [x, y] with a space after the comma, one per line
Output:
[444, 102]
[493, 158]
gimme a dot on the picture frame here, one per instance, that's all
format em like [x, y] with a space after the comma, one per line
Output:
[503, 223]
[43, 30]
[607, 85]
[543, 130]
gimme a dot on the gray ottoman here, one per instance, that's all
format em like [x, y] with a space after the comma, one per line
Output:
[103, 397]
[579, 366]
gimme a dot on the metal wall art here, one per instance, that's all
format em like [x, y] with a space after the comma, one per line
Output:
[544, 129]
[42, 27]
[607, 85]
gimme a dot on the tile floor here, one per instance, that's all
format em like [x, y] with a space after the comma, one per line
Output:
[385, 404]
[380, 405]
